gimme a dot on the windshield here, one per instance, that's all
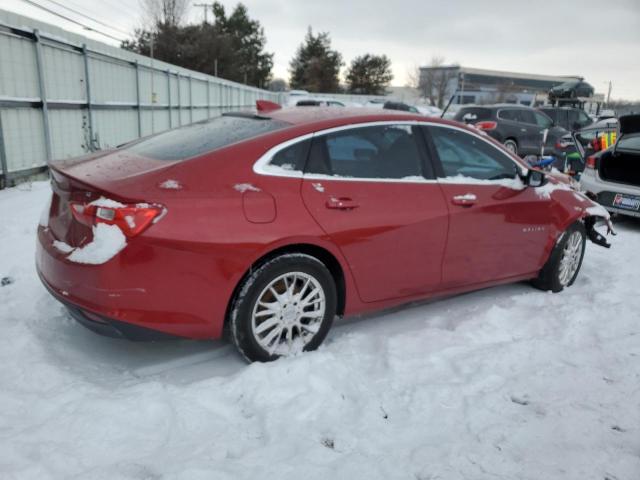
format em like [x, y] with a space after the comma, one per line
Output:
[203, 137]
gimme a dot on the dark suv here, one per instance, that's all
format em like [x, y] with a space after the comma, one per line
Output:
[519, 128]
[572, 119]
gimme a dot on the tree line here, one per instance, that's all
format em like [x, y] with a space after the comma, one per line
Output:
[233, 46]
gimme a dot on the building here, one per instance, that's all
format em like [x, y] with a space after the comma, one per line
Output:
[474, 85]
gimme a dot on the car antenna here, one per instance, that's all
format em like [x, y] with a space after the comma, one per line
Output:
[449, 103]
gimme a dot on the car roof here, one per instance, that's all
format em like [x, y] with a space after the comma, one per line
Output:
[312, 119]
[340, 116]
[551, 107]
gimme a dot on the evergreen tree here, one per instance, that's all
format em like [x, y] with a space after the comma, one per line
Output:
[234, 43]
[315, 66]
[369, 74]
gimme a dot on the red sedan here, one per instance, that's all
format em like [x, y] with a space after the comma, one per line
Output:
[271, 224]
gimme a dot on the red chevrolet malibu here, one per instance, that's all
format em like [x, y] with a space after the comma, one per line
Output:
[271, 224]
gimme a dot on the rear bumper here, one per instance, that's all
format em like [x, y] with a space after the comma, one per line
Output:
[605, 192]
[142, 293]
[108, 326]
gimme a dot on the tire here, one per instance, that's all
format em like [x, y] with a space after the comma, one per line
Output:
[564, 263]
[268, 319]
[511, 145]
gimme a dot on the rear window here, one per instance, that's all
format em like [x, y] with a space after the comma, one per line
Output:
[629, 143]
[473, 114]
[203, 137]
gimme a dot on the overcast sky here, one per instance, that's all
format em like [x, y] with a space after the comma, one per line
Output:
[599, 40]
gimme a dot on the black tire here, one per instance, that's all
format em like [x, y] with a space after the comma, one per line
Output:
[243, 305]
[511, 145]
[549, 278]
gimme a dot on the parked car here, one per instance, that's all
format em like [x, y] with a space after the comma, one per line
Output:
[400, 106]
[572, 89]
[319, 102]
[612, 175]
[295, 95]
[519, 128]
[271, 224]
[570, 119]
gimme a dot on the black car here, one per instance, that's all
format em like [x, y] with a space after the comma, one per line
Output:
[572, 119]
[519, 128]
[572, 89]
[403, 107]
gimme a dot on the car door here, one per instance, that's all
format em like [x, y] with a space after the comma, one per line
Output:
[531, 130]
[511, 126]
[372, 191]
[498, 228]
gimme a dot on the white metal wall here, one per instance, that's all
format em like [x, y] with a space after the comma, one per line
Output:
[62, 95]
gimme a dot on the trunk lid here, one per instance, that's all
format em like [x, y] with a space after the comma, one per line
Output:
[629, 124]
[115, 175]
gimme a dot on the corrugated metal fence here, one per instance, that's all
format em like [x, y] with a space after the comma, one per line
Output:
[62, 95]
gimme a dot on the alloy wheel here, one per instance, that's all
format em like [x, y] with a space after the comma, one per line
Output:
[288, 313]
[570, 261]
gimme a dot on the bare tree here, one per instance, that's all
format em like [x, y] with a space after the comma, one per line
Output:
[166, 12]
[434, 82]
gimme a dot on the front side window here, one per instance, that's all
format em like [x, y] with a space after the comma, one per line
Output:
[542, 120]
[462, 153]
[388, 151]
[526, 116]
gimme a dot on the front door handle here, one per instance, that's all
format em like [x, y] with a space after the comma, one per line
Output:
[342, 203]
[466, 200]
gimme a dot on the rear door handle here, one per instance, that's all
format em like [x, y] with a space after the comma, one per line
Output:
[342, 203]
[466, 200]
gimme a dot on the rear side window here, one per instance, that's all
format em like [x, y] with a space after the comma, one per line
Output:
[203, 137]
[390, 151]
[291, 158]
[473, 114]
[511, 115]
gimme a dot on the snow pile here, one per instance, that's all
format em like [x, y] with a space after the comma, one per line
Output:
[171, 185]
[245, 187]
[108, 241]
[44, 214]
[505, 383]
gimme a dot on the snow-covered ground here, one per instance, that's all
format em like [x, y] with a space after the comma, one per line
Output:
[506, 383]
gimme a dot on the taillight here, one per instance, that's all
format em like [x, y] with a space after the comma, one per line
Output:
[131, 219]
[486, 125]
[591, 162]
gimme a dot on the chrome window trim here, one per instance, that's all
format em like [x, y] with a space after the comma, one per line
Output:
[261, 165]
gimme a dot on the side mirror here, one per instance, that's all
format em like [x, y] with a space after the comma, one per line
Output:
[535, 178]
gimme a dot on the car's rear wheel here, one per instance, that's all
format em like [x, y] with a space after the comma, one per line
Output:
[562, 268]
[511, 145]
[284, 307]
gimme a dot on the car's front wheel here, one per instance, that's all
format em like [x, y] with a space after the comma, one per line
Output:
[562, 268]
[284, 307]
